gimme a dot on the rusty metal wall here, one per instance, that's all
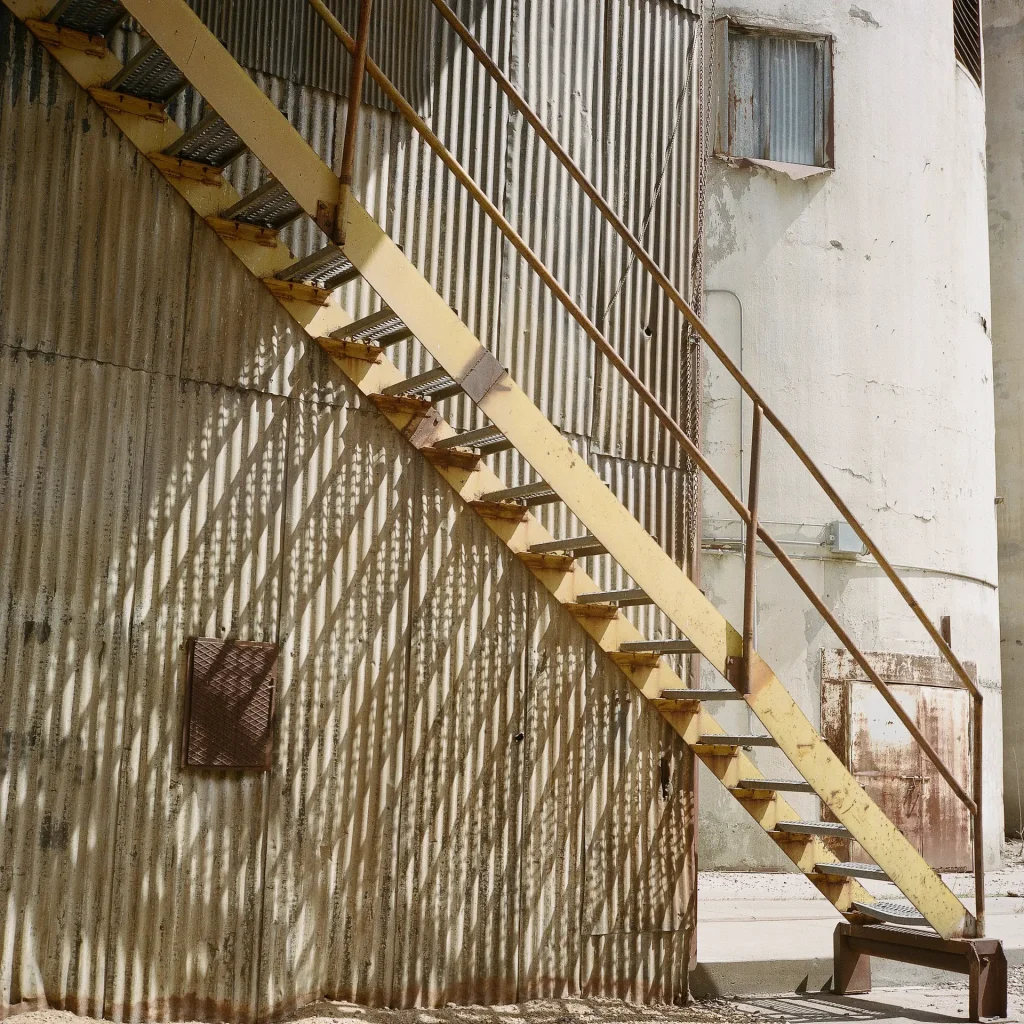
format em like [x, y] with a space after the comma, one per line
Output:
[442, 768]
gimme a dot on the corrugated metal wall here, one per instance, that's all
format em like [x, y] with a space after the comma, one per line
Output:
[467, 803]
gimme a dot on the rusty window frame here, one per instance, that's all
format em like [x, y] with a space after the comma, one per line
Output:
[967, 37]
[726, 143]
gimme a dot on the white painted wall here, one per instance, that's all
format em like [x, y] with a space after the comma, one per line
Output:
[858, 302]
[1004, 70]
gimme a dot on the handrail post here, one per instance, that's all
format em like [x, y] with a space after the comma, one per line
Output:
[355, 101]
[979, 835]
[750, 561]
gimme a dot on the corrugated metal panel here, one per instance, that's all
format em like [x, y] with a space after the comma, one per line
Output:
[286, 38]
[186, 912]
[334, 799]
[236, 332]
[657, 496]
[70, 491]
[562, 664]
[113, 287]
[791, 127]
[457, 890]
[558, 65]
[640, 899]
[650, 176]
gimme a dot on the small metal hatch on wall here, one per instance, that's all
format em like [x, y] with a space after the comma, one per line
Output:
[229, 705]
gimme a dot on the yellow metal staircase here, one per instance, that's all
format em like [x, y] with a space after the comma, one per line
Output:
[241, 118]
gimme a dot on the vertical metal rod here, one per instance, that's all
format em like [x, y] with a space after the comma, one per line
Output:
[979, 834]
[355, 100]
[750, 562]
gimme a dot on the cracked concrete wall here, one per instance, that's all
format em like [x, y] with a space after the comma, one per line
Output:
[857, 300]
[1004, 73]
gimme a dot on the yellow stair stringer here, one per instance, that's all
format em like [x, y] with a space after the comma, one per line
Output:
[272, 139]
[455, 348]
[566, 580]
[153, 131]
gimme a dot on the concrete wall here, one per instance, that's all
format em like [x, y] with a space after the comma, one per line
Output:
[858, 302]
[1004, 84]
[466, 803]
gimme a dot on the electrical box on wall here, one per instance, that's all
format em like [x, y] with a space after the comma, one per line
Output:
[843, 539]
[229, 708]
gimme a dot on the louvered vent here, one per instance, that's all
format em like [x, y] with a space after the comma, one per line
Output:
[967, 36]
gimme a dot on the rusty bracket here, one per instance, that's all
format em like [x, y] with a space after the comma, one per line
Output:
[735, 671]
[329, 222]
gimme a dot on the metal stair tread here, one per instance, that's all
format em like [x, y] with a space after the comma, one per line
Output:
[892, 912]
[623, 598]
[588, 544]
[850, 869]
[829, 829]
[269, 206]
[149, 75]
[528, 494]
[774, 785]
[734, 740]
[211, 141]
[94, 17]
[382, 328]
[701, 695]
[486, 440]
[434, 384]
[659, 647]
[327, 268]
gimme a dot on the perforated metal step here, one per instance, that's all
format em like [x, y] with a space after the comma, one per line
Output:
[212, 141]
[486, 440]
[528, 494]
[583, 546]
[659, 647]
[94, 17]
[776, 785]
[849, 869]
[432, 385]
[623, 598]
[826, 829]
[891, 911]
[327, 268]
[382, 329]
[701, 695]
[150, 75]
[269, 206]
[723, 740]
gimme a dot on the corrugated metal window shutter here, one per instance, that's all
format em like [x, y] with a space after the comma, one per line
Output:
[779, 97]
[967, 36]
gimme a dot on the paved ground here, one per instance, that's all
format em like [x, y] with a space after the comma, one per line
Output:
[763, 933]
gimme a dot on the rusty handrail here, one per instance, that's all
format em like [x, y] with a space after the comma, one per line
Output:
[663, 415]
[355, 104]
[974, 804]
[652, 267]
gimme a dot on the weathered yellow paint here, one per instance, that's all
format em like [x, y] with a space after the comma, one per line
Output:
[455, 348]
[267, 133]
[239, 100]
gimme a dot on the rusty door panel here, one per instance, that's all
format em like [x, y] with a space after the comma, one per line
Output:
[876, 747]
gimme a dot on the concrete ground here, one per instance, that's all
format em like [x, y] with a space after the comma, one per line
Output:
[767, 933]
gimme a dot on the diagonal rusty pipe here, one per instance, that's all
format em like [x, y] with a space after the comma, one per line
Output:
[355, 102]
[652, 267]
[663, 415]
